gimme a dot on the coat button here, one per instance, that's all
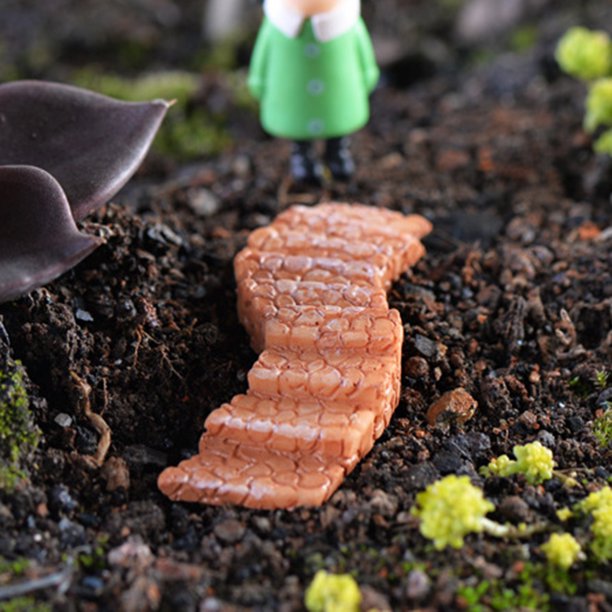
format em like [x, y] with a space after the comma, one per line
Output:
[316, 126]
[315, 87]
[312, 50]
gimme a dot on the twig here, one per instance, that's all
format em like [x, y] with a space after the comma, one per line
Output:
[60, 579]
[97, 421]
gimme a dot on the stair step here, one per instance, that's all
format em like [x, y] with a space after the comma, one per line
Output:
[366, 331]
[253, 476]
[340, 376]
[260, 301]
[340, 429]
[259, 265]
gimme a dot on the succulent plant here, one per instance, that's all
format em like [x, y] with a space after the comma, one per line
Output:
[533, 460]
[562, 550]
[64, 152]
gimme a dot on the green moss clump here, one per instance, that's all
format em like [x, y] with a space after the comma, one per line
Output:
[14, 568]
[533, 460]
[585, 54]
[332, 593]
[562, 550]
[189, 130]
[18, 435]
[602, 426]
[24, 604]
[450, 509]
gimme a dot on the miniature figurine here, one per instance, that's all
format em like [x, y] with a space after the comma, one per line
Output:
[328, 377]
[313, 68]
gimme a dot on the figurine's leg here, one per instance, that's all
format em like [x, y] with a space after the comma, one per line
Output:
[304, 165]
[339, 159]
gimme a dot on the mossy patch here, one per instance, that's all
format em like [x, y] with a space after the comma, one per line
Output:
[190, 130]
[24, 604]
[18, 435]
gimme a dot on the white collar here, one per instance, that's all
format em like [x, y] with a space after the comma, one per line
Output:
[326, 26]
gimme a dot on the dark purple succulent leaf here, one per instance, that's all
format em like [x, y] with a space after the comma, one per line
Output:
[90, 143]
[39, 239]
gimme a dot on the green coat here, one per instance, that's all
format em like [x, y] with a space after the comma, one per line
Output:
[310, 89]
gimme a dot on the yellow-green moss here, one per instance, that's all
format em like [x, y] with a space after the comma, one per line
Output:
[18, 435]
[14, 568]
[189, 130]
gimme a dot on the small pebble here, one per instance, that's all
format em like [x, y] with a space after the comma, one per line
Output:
[83, 315]
[417, 367]
[421, 475]
[203, 202]
[418, 585]
[230, 531]
[546, 438]
[63, 420]
[71, 534]
[456, 405]
[514, 509]
[60, 499]
[425, 346]
[116, 474]
[383, 503]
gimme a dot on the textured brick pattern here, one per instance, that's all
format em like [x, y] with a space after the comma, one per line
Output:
[311, 294]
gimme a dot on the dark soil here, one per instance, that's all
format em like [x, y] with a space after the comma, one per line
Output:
[513, 302]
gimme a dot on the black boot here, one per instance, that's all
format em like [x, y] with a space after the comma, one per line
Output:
[304, 165]
[339, 159]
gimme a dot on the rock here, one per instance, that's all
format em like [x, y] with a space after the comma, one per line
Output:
[203, 202]
[134, 554]
[71, 534]
[60, 500]
[63, 420]
[514, 509]
[418, 585]
[474, 446]
[576, 424]
[116, 474]
[450, 462]
[92, 585]
[417, 367]
[546, 438]
[529, 419]
[230, 531]
[425, 346]
[421, 475]
[456, 405]
[384, 504]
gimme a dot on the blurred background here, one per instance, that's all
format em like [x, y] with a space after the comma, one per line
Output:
[197, 51]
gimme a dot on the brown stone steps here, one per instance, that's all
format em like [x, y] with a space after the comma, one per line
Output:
[261, 266]
[335, 429]
[331, 376]
[279, 240]
[392, 252]
[260, 301]
[330, 215]
[229, 471]
[366, 331]
[311, 295]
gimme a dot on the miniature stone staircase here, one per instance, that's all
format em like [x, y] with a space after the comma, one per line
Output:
[311, 293]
